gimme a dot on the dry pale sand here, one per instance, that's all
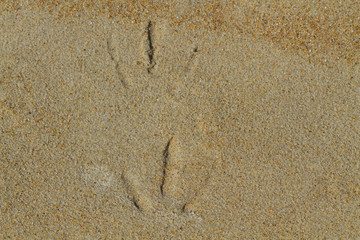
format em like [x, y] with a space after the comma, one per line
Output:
[179, 119]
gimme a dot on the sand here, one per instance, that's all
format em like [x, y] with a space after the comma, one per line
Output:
[179, 120]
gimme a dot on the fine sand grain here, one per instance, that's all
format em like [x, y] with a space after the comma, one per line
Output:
[179, 120]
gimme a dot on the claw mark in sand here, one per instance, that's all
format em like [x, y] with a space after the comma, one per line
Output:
[117, 67]
[192, 62]
[172, 189]
[165, 162]
[136, 193]
[150, 46]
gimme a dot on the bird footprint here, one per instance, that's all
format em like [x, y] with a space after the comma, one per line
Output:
[187, 160]
[183, 180]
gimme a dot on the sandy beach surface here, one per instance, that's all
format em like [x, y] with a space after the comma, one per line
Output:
[179, 119]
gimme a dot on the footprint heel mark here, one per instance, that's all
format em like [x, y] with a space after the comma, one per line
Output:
[174, 165]
[188, 69]
[111, 52]
[192, 62]
[136, 194]
[149, 47]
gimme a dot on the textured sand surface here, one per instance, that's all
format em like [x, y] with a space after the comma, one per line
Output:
[179, 120]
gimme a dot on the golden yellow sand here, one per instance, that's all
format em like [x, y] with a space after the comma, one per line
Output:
[179, 120]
